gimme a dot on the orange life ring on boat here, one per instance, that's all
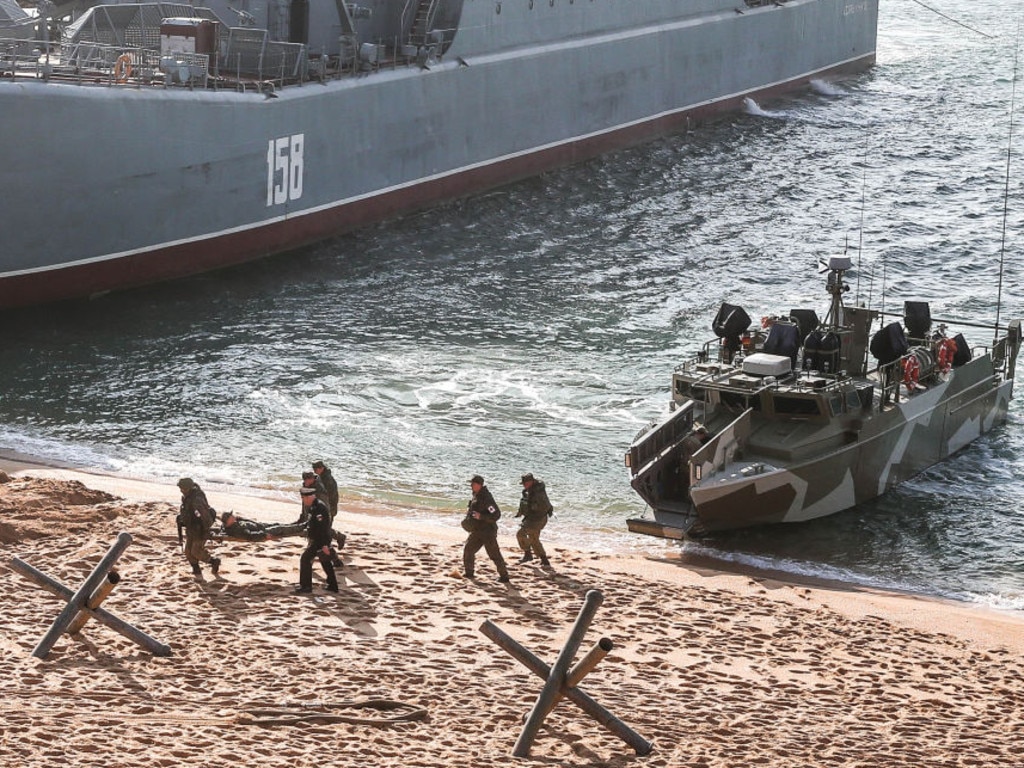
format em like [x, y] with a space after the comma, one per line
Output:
[947, 350]
[911, 371]
[122, 68]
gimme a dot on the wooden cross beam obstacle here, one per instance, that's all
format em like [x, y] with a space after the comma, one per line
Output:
[84, 603]
[561, 681]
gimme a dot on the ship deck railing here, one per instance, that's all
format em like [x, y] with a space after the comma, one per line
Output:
[707, 370]
[265, 67]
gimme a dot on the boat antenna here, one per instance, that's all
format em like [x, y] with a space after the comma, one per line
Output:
[881, 315]
[860, 237]
[1006, 191]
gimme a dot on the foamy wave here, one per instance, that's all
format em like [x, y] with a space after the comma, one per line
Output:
[57, 451]
[826, 88]
[751, 107]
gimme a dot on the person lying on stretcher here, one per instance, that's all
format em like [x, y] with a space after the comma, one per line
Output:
[236, 527]
[251, 530]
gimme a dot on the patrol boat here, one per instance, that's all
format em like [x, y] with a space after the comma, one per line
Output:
[789, 422]
[148, 141]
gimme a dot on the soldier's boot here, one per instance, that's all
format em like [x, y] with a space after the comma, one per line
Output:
[526, 558]
[335, 560]
[340, 539]
[331, 586]
[215, 565]
[545, 563]
[196, 570]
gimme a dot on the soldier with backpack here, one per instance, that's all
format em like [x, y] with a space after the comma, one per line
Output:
[535, 509]
[197, 518]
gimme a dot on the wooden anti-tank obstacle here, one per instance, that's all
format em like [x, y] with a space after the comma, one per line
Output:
[85, 603]
[561, 681]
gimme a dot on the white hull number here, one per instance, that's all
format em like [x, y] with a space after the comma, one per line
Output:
[284, 169]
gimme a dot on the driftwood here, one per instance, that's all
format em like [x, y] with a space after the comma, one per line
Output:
[561, 681]
[84, 603]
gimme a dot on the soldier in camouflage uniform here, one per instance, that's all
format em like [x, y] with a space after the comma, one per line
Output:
[196, 517]
[481, 522]
[535, 509]
[323, 473]
[252, 530]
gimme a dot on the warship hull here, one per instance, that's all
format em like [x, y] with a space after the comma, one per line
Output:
[123, 184]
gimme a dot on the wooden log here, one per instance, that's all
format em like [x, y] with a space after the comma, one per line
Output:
[101, 593]
[575, 695]
[99, 614]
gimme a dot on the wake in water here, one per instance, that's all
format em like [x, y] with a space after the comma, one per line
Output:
[825, 88]
[751, 107]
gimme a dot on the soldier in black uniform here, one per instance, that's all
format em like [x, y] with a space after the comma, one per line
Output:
[535, 509]
[312, 480]
[318, 536]
[481, 521]
[196, 517]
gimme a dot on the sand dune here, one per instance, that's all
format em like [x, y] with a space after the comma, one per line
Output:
[716, 669]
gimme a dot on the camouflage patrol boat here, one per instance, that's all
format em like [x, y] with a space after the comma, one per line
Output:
[789, 422]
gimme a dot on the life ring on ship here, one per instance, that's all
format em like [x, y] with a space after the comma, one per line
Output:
[911, 371]
[122, 68]
[947, 350]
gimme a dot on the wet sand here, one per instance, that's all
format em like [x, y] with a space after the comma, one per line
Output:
[715, 668]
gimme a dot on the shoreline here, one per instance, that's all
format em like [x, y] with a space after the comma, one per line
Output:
[396, 522]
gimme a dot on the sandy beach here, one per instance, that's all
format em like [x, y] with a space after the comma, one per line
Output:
[714, 668]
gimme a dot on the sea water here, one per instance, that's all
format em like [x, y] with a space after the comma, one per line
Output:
[535, 328]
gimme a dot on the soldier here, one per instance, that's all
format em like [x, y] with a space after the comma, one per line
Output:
[318, 536]
[481, 522]
[535, 509]
[690, 445]
[196, 517]
[252, 530]
[323, 472]
[312, 480]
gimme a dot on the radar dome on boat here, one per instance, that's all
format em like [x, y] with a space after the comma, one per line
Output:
[840, 262]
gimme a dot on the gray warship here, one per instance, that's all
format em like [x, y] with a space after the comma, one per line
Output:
[787, 421]
[148, 141]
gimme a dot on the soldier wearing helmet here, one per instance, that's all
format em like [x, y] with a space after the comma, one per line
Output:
[196, 517]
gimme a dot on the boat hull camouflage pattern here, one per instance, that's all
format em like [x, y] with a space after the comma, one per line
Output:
[133, 164]
[803, 444]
